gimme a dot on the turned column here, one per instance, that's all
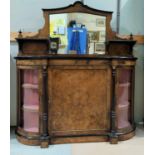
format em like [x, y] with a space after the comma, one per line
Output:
[44, 107]
[113, 134]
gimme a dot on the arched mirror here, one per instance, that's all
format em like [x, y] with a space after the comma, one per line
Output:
[78, 33]
[77, 29]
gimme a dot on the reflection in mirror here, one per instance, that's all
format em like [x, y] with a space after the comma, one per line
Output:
[78, 33]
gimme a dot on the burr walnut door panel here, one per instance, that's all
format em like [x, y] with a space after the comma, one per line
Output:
[79, 100]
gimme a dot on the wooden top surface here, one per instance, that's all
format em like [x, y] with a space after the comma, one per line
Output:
[75, 56]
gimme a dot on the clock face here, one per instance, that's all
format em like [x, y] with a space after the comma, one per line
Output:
[53, 45]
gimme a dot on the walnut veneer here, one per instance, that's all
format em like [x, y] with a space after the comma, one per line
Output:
[76, 98]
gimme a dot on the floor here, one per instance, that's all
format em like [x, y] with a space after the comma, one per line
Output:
[134, 146]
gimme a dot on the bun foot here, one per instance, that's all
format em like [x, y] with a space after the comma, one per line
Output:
[44, 144]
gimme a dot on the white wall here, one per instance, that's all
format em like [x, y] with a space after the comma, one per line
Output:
[27, 15]
[132, 13]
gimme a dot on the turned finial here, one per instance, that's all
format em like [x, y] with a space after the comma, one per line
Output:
[131, 36]
[20, 34]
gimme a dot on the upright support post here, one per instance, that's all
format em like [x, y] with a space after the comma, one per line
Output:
[19, 111]
[118, 16]
[113, 134]
[132, 96]
[44, 115]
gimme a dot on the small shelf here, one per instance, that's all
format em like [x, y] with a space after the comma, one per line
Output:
[31, 118]
[31, 108]
[30, 96]
[126, 84]
[32, 129]
[123, 116]
[30, 86]
[124, 105]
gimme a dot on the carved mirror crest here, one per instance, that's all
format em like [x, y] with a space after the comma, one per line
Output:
[78, 29]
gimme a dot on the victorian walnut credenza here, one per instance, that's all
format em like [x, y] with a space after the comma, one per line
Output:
[75, 80]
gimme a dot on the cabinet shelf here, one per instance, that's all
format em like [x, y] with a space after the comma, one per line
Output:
[31, 129]
[124, 105]
[123, 116]
[30, 86]
[125, 84]
[31, 108]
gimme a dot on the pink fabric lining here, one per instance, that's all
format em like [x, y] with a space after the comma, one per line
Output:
[30, 100]
[30, 76]
[30, 96]
[31, 121]
[124, 75]
[123, 117]
[123, 93]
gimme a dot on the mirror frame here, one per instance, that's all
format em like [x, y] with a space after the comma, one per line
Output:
[75, 8]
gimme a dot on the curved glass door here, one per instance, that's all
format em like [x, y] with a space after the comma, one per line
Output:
[124, 80]
[30, 100]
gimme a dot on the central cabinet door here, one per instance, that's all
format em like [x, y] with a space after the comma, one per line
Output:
[79, 100]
